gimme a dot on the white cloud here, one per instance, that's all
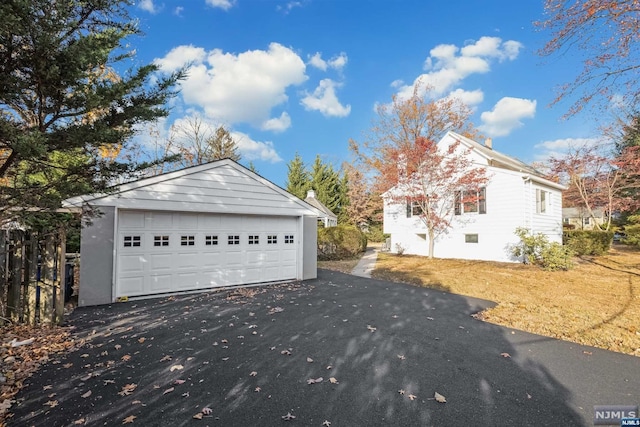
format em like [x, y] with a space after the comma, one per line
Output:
[221, 4]
[558, 148]
[148, 6]
[234, 88]
[324, 100]
[277, 124]
[337, 62]
[180, 56]
[288, 7]
[255, 150]
[317, 61]
[397, 83]
[178, 11]
[470, 98]
[448, 65]
[506, 116]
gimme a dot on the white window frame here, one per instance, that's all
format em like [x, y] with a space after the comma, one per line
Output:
[543, 201]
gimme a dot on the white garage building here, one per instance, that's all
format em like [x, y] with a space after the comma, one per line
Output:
[207, 226]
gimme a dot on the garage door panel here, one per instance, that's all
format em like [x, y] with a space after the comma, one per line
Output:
[143, 268]
[131, 285]
[190, 260]
[132, 264]
[159, 262]
[160, 283]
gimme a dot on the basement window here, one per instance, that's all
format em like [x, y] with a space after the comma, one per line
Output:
[471, 238]
[131, 241]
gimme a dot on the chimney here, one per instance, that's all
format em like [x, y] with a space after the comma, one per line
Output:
[311, 194]
[488, 143]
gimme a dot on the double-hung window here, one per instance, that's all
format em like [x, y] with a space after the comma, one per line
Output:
[413, 208]
[542, 201]
[471, 201]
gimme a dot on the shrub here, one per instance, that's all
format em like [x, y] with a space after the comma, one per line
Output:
[632, 235]
[375, 234]
[341, 242]
[588, 242]
[556, 257]
[536, 249]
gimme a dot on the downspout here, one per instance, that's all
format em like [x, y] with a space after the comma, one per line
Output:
[528, 210]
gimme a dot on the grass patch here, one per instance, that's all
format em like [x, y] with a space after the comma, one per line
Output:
[343, 265]
[597, 303]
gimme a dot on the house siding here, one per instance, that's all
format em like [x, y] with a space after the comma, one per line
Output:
[218, 190]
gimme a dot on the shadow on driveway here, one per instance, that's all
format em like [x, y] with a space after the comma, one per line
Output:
[159, 362]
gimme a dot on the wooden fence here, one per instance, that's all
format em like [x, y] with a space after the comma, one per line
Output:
[32, 276]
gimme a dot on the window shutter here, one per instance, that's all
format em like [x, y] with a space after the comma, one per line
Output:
[482, 200]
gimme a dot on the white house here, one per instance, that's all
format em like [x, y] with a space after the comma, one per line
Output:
[515, 196]
[212, 225]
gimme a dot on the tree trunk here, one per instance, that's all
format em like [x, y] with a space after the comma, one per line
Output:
[431, 242]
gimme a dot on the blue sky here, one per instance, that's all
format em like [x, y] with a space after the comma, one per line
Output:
[305, 76]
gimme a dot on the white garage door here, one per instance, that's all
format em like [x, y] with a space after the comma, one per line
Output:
[171, 251]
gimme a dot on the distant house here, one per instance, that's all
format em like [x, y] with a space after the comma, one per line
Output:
[516, 196]
[328, 219]
[579, 218]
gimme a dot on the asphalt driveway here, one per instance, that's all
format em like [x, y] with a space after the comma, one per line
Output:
[336, 351]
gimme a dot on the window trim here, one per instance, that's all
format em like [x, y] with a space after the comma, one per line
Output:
[543, 201]
[460, 207]
[471, 238]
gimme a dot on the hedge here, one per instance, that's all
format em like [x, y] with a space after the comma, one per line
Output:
[588, 242]
[341, 242]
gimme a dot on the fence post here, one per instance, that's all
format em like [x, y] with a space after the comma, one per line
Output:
[61, 285]
[4, 272]
[13, 302]
[31, 279]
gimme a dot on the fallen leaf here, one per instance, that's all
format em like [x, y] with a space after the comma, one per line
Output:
[439, 398]
[258, 390]
[127, 389]
[198, 416]
[207, 411]
[52, 403]
[79, 422]
[588, 353]
[117, 346]
[329, 367]
[505, 355]
[67, 365]
[326, 423]
[224, 359]
[288, 417]
[286, 352]
[401, 391]
[87, 394]
[314, 381]
[126, 358]
[185, 394]
[165, 358]
[371, 328]
[179, 382]
[412, 397]
[47, 387]
[141, 340]
[401, 357]
[176, 368]
[136, 402]
[332, 380]
[84, 355]
[169, 390]
[129, 419]
[309, 360]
